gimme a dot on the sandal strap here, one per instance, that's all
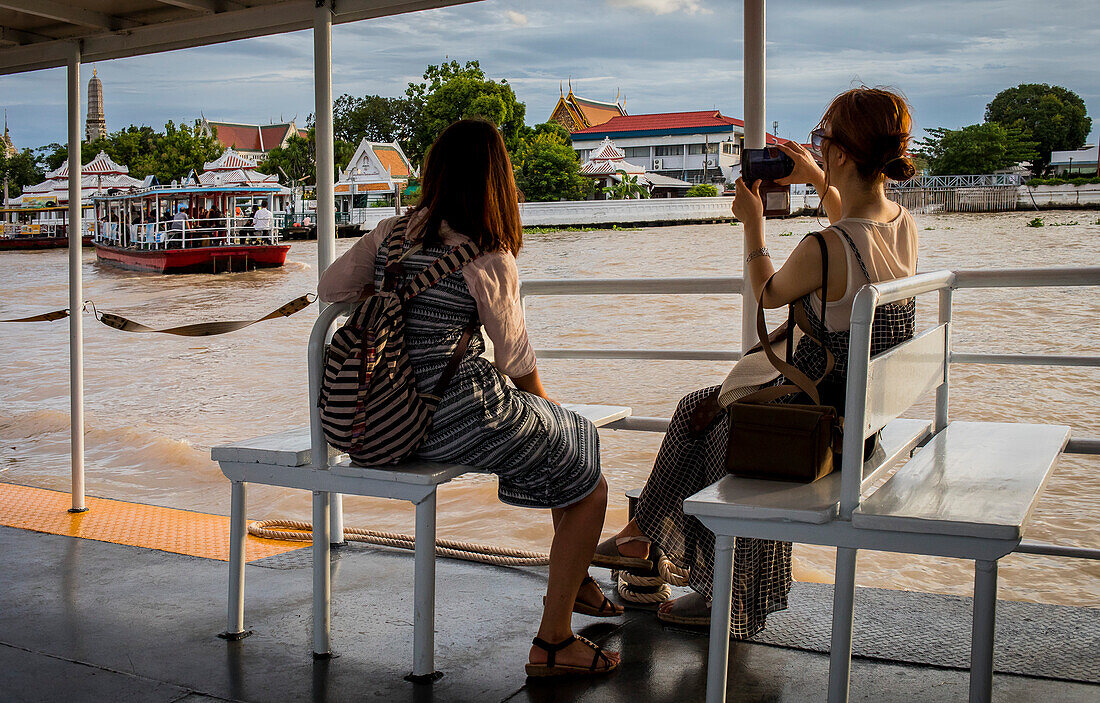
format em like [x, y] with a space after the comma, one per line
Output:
[597, 653]
[553, 649]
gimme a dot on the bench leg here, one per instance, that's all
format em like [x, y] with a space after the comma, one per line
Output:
[981, 642]
[336, 519]
[238, 531]
[720, 608]
[424, 594]
[322, 577]
[840, 651]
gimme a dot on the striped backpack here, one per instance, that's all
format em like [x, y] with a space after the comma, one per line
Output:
[370, 405]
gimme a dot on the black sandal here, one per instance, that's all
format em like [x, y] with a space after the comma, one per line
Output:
[606, 609]
[552, 669]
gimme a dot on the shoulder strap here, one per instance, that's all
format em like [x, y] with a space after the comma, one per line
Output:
[855, 250]
[393, 254]
[800, 380]
[439, 269]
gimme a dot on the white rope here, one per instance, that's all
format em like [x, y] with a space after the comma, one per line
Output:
[297, 531]
[672, 573]
[643, 589]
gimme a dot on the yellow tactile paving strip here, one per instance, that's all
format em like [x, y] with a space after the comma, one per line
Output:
[149, 526]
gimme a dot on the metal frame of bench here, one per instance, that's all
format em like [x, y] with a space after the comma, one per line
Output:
[878, 391]
[283, 460]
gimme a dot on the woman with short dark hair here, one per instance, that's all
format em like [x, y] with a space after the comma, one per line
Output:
[544, 455]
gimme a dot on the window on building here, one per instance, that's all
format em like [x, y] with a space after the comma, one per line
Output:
[677, 150]
[583, 154]
[361, 200]
[731, 148]
[636, 152]
[703, 148]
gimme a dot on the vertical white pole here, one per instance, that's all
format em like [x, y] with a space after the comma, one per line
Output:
[755, 22]
[76, 292]
[326, 186]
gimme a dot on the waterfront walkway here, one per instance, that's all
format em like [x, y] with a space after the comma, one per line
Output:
[86, 620]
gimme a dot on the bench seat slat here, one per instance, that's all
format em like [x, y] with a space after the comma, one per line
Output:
[815, 503]
[292, 447]
[973, 479]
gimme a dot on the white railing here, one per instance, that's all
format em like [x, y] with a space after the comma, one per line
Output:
[944, 283]
[167, 234]
[986, 180]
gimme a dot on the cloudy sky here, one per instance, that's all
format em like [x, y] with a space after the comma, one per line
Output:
[949, 58]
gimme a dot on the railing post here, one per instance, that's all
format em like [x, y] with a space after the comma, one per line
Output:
[946, 296]
[755, 12]
[76, 289]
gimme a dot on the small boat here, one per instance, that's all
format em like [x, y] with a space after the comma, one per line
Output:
[190, 228]
[31, 228]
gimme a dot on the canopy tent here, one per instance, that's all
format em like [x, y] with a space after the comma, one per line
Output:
[37, 34]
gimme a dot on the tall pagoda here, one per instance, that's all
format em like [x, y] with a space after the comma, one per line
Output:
[96, 124]
[576, 113]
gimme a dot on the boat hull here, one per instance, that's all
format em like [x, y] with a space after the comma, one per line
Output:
[35, 243]
[196, 260]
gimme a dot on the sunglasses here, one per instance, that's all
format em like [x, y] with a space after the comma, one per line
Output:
[817, 138]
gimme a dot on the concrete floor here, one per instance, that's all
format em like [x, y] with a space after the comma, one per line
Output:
[91, 621]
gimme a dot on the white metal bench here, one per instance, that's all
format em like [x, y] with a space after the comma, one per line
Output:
[286, 459]
[967, 492]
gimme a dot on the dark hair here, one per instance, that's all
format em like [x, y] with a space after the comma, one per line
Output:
[468, 182]
[872, 126]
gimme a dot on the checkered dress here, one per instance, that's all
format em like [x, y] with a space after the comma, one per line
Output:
[687, 463]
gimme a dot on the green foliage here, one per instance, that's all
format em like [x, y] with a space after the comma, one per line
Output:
[1052, 116]
[628, 188]
[1082, 181]
[547, 168]
[1035, 222]
[702, 190]
[450, 92]
[977, 149]
[169, 155]
[372, 117]
[21, 169]
[297, 161]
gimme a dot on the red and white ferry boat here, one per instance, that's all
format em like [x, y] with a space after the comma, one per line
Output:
[207, 224]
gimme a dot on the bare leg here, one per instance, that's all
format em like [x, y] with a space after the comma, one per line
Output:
[577, 529]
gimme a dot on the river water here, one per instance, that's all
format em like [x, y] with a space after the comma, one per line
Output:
[157, 403]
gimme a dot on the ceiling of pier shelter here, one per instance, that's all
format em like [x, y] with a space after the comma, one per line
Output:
[37, 34]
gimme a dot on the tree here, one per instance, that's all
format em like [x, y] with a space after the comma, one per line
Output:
[1053, 116]
[450, 92]
[547, 168]
[702, 190]
[628, 188]
[297, 161]
[21, 169]
[372, 117]
[169, 155]
[977, 149]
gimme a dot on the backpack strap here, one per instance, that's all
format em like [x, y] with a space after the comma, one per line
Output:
[394, 258]
[440, 269]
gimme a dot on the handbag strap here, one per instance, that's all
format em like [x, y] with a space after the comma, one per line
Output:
[801, 382]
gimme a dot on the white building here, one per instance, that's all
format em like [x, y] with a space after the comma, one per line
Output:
[1077, 162]
[370, 178]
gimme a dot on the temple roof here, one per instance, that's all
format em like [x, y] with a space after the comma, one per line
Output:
[101, 165]
[230, 160]
[608, 159]
[377, 162]
[234, 177]
[585, 112]
[253, 137]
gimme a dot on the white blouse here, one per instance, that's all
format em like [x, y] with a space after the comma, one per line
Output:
[492, 279]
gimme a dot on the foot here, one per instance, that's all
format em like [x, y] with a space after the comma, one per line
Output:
[592, 595]
[576, 654]
[634, 542]
[692, 609]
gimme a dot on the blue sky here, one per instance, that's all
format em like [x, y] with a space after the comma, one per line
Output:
[949, 58]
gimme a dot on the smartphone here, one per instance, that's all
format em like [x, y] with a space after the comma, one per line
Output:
[767, 164]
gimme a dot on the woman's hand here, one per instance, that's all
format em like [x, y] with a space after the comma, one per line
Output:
[747, 206]
[805, 170]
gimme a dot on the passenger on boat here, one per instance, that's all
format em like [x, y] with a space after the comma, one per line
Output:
[262, 223]
[863, 139]
[543, 455]
[177, 228]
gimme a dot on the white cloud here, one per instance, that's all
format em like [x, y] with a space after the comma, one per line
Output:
[663, 7]
[517, 18]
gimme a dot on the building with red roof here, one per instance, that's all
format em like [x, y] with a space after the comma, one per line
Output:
[252, 140]
[702, 146]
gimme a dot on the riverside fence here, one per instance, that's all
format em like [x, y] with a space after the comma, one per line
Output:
[995, 192]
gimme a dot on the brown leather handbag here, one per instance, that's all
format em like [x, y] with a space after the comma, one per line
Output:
[791, 441]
